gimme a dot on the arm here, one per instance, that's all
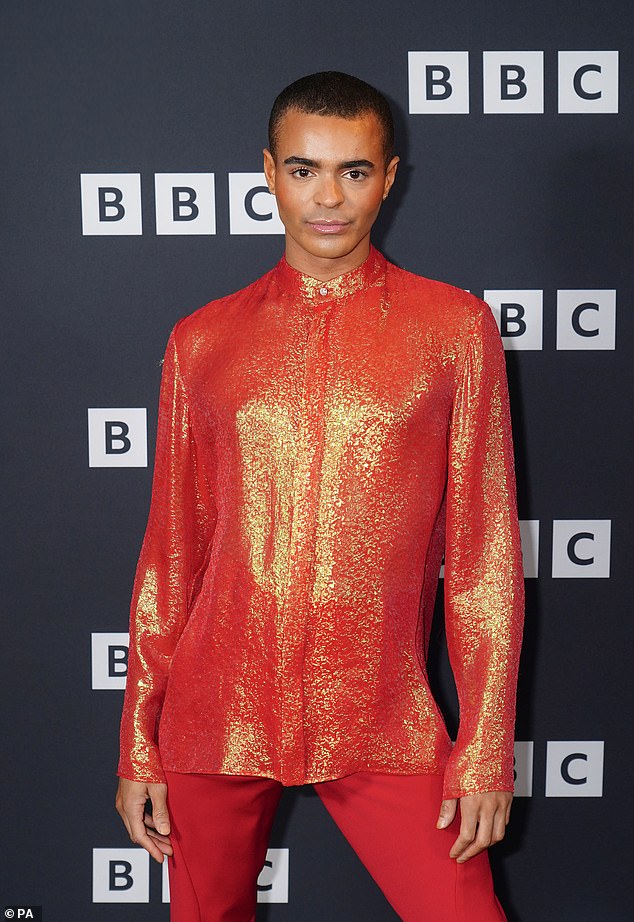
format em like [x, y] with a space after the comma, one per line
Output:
[168, 575]
[484, 587]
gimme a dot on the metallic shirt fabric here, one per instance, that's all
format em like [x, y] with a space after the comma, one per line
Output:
[319, 446]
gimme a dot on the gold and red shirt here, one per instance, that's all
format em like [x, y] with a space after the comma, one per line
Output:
[319, 446]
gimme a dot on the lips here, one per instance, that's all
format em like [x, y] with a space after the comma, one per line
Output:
[328, 227]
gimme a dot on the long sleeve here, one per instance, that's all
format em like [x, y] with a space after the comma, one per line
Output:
[484, 585]
[168, 574]
[318, 445]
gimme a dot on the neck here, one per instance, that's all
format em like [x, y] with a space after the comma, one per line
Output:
[325, 268]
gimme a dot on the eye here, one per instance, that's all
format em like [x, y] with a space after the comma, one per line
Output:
[302, 171]
[356, 175]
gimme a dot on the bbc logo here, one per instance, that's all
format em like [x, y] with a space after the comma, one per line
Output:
[117, 437]
[513, 82]
[580, 548]
[586, 318]
[573, 768]
[109, 655]
[185, 203]
[122, 875]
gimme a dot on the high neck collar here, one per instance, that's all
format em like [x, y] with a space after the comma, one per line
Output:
[305, 287]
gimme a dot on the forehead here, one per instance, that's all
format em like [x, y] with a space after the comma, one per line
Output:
[329, 137]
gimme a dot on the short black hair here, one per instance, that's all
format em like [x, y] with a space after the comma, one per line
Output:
[331, 92]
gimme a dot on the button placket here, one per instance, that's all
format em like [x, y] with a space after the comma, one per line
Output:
[302, 548]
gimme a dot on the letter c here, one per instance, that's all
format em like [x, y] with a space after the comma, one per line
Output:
[267, 864]
[248, 204]
[576, 317]
[571, 549]
[565, 768]
[576, 81]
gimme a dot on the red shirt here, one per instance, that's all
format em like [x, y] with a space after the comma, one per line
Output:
[319, 445]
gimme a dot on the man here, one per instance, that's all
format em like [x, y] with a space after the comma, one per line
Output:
[324, 435]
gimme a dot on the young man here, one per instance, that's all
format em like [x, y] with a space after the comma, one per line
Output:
[324, 435]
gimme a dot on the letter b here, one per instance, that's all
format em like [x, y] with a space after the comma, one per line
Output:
[184, 207]
[511, 320]
[185, 203]
[120, 875]
[117, 437]
[513, 82]
[117, 441]
[437, 85]
[438, 82]
[110, 207]
[519, 316]
[110, 204]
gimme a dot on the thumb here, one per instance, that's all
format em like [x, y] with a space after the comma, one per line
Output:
[160, 815]
[447, 813]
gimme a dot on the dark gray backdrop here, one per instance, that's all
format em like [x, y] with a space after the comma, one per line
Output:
[485, 201]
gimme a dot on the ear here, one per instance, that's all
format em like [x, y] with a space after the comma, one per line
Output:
[269, 169]
[390, 174]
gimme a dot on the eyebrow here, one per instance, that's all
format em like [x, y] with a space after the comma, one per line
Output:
[345, 165]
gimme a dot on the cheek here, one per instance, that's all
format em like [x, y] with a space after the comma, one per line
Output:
[289, 200]
[372, 202]
[371, 196]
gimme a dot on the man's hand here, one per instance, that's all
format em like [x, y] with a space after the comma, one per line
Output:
[484, 818]
[152, 832]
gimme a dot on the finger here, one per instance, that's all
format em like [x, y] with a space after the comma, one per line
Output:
[159, 839]
[468, 828]
[447, 813]
[139, 836]
[482, 839]
[499, 826]
[134, 809]
[164, 846]
[160, 815]
[151, 830]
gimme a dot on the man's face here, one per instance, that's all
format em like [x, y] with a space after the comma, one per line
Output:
[329, 178]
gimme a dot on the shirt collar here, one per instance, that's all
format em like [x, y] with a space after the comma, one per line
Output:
[304, 287]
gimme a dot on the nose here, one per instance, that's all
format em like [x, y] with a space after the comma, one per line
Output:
[328, 192]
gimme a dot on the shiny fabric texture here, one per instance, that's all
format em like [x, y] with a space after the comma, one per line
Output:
[319, 446]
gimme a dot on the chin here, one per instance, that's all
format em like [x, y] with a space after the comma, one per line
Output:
[330, 247]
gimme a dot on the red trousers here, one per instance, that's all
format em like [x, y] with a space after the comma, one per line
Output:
[221, 826]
